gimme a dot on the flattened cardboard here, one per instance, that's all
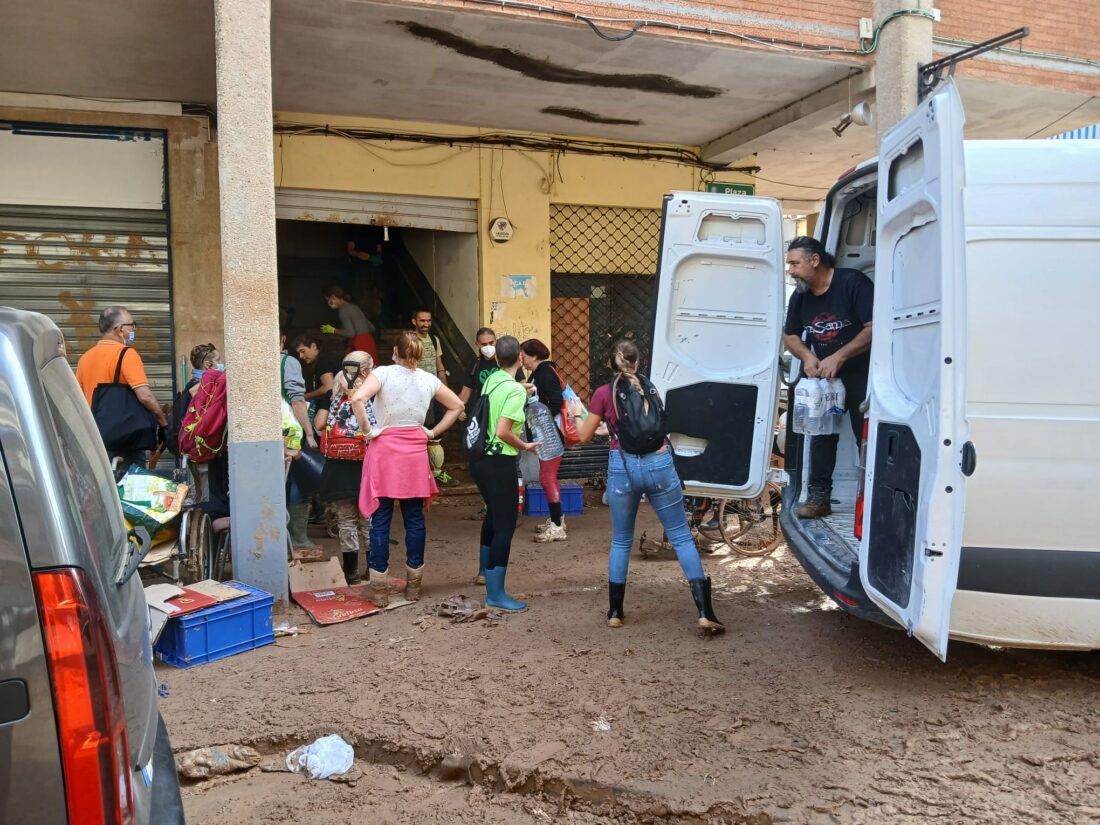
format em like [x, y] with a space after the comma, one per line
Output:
[335, 605]
[217, 591]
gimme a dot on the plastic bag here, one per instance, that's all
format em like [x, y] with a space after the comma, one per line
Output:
[819, 406]
[328, 756]
[149, 500]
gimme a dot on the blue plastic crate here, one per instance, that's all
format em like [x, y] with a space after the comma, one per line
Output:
[572, 500]
[218, 631]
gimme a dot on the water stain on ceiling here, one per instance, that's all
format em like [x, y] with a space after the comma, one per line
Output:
[539, 69]
[588, 117]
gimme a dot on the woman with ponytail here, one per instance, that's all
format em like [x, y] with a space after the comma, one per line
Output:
[640, 463]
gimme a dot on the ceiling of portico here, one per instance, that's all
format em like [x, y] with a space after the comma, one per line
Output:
[429, 63]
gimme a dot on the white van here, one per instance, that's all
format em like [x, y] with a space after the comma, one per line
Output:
[980, 502]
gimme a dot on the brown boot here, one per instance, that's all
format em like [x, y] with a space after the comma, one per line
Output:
[413, 579]
[380, 588]
[814, 509]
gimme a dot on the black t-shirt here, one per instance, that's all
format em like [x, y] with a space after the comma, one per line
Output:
[477, 373]
[324, 364]
[833, 319]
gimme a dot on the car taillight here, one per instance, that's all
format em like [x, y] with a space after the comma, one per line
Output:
[91, 719]
[862, 480]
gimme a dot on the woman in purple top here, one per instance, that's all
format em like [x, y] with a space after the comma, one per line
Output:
[629, 477]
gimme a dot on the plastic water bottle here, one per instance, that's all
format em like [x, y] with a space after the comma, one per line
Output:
[540, 422]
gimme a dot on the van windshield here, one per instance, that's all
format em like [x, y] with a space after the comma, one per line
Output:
[92, 497]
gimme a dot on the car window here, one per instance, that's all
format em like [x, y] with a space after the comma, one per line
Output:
[93, 502]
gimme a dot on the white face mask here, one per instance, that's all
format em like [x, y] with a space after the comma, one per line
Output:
[130, 336]
[489, 351]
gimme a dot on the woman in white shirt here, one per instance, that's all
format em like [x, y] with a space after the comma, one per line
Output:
[396, 466]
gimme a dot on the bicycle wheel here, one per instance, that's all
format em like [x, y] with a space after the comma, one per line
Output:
[751, 526]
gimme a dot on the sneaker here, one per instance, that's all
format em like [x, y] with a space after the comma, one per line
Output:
[814, 509]
[542, 525]
[553, 532]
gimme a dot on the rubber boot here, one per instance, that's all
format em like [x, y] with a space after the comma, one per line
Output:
[296, 526]
[494, 589]
[351, 566]
[413, 579]
[615, 594]
[482, 563]
[379, 587]
[700, 592]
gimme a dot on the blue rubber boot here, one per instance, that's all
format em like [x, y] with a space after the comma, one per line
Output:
[494, 588]
[483, 562]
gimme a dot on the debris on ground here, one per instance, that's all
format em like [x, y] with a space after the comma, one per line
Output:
[216, 761]
[460, 609]
[327, 757]
[600, 725]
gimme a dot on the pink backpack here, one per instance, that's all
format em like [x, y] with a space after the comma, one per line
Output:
[204, 432]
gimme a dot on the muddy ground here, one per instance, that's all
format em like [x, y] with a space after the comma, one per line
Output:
[800, 713]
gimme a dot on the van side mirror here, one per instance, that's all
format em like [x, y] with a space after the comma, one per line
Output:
[139, 542]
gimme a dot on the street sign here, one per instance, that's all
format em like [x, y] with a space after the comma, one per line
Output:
[732, 188]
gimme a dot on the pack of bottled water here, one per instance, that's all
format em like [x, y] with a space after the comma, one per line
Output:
[819, 406]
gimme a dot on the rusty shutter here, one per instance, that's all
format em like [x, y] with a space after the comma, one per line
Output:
[70, 262]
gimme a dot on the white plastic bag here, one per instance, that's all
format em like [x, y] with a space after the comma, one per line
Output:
[328, 756]
[819, 406]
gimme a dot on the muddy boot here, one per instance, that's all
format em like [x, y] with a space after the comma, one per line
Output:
[495, 594]
[351, 567]
[296, 526]
[483, 561]
[817, 504]
[700, 592]
[615, 594]
[379, 587]
[413, 578]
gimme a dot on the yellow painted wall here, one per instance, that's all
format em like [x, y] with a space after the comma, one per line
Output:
[519, 185]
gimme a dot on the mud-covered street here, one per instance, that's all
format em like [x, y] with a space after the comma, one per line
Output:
[800, 713]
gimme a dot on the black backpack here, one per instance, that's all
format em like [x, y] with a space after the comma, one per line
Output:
[477, 434]
[179, 409]
[641, 428]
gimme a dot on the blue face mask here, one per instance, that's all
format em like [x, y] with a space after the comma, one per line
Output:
[130, 336]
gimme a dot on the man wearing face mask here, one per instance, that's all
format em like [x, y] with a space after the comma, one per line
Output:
[481, 367]
[98, 365]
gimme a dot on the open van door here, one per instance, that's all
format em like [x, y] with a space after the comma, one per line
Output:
[717, 336]
[913, 510]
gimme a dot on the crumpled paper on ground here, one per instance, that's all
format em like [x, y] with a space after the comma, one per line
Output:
[327, 757]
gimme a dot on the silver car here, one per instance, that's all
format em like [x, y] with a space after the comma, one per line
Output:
[81, 738]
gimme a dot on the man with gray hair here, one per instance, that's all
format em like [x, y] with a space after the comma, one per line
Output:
[114, 353]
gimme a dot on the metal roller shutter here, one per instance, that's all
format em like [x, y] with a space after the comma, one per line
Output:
[70, 262]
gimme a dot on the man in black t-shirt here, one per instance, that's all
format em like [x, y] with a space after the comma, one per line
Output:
[485, 363]
[323, 368]
[831, 308]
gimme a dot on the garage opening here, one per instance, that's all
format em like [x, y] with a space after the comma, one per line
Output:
[390, 254]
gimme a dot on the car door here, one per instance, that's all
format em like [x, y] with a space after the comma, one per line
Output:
[717, 335]
[916, 426]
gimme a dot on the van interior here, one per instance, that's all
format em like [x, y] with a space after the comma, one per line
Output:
[851, 239]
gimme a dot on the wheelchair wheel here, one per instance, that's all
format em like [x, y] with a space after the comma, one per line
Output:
[199, 543]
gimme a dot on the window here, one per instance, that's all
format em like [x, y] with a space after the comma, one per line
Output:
[906, 170]
[90, 493]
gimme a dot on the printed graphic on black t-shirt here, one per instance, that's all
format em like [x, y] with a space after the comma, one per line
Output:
[833, 319]
[476, 375]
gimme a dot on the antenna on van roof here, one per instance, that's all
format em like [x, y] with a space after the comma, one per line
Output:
[930, 75]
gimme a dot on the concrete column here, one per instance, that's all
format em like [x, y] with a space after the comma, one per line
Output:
[242, 33]
[904, 43]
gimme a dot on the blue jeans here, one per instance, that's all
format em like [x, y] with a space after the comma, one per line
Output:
[412, 513]
[628, 477]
